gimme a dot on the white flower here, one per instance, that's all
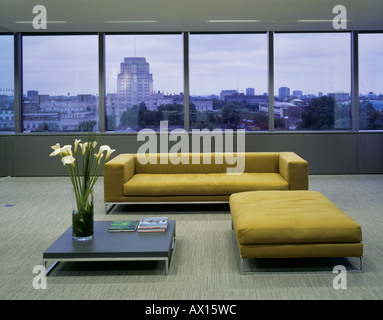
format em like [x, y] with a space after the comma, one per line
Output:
[67, 150]
[98, 156]
[57, 150]
[108, 150]
[68, 160]
[83, 147]
[56, 146]
[83, 170]
[76, 142]
[104, 148]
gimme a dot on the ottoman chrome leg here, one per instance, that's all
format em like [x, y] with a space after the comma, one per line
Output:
[360, 263]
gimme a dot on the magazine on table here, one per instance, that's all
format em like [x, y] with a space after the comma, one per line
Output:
[153, 224]
[124, 226]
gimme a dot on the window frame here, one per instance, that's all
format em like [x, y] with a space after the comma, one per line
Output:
[18, 92]
[19, 74]
[102, 54]
[14, 86]
[357, 79]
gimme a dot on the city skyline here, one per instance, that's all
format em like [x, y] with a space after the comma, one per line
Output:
[39, 66]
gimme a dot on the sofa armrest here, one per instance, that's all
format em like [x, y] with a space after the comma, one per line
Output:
[295, 170]
[116, 172]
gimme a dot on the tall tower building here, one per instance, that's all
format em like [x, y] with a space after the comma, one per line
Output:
[134, 82]
[284, 92]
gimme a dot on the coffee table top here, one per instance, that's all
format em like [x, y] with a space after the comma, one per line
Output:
[107, 244]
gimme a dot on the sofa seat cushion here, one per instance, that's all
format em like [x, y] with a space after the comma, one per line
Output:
[288, 217]
[201, 184]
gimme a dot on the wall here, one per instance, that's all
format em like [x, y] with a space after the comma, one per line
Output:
[4, 156]
[327, 153]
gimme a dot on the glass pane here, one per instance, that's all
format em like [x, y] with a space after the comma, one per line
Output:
[144, 82]
[228, 81]
[7, 123]
[371, 81]
[312, 81]
[60, 83]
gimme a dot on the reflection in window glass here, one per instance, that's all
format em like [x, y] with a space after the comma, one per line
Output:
[60, 83]
[371, 81]
[228, 81]
[7, 123]
[144, 82]
[312, 81]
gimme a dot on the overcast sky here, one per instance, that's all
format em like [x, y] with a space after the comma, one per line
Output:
[308, 62]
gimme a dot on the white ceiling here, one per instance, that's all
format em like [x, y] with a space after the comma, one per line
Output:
[189, 15]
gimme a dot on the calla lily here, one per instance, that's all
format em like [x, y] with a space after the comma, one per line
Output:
[76, 142]
[85, 171]
[104, 148]
[56, 146]
[68, 160]
[56, 152]
[99, 156]
[110, 151]
[83, 147]
[67, 150]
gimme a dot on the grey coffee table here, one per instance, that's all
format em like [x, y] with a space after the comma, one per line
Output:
[118, 246]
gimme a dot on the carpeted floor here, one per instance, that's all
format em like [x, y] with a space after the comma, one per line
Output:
[205, 266]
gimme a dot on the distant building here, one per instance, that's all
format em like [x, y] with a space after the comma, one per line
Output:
[32, 94]
[250, 91]
[59, 113]
[284, 92]
[298, 93]
[6, 113]
[340, 96]
[157, 99]
[134, 82]
[203, 105]
[225, 93]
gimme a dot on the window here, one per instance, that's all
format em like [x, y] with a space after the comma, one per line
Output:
[7, 123]
[371, 81]
[144, 82]
[312, 81]
[228, 81]
[60, 83]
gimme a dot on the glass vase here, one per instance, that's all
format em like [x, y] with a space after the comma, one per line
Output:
[83, 215]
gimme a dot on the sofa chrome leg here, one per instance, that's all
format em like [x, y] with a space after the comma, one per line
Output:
[360, 263]
[241, 271]
[110, 208]
[242, 267]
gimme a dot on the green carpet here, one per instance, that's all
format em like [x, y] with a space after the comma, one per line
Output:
[35, 211]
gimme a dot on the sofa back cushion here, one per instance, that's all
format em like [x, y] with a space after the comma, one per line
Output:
[258, 162]
[254, 162]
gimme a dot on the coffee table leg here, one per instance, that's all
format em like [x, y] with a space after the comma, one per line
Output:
[53, 265]
[170, 255]
[167, 266]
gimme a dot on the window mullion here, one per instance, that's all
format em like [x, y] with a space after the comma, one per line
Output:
[271, 79]
[354, 81]
[186, 81]
[101, 82]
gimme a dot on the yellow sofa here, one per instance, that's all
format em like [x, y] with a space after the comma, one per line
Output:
[292, 224]
[127, 180]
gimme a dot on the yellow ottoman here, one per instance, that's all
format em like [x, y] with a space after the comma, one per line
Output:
[292, 224]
